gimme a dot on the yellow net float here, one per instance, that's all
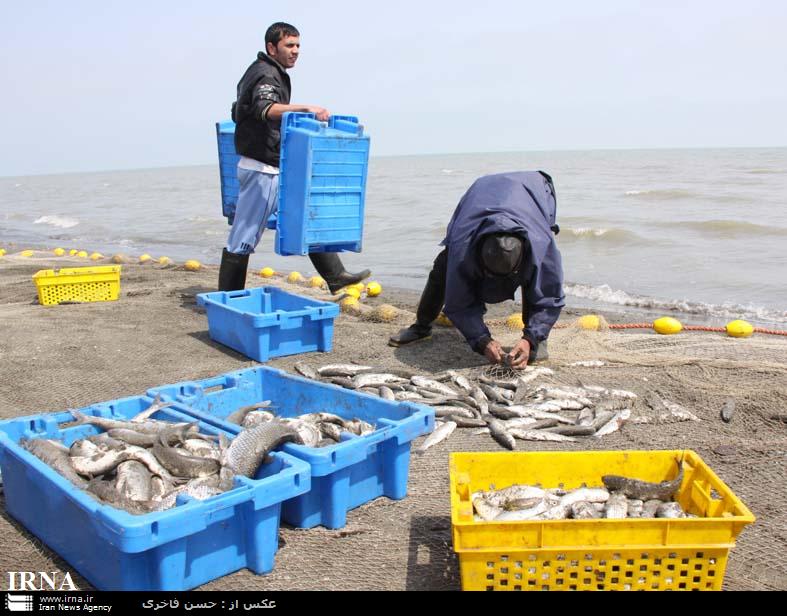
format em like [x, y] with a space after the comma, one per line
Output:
[316, 282]
[373, 289]
[667, 326]
[145, 258]
[352, 292]
[2, 252]
[192, 265]
[739, 329]
[96, 256]
[267, 272]
[59, 252]
[295, 277]
[73, 252]
[26, 253]
[515, 322]
[589, 321]
[164, 260]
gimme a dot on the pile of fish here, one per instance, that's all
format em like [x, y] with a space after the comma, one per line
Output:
[313, 429]
[143, 464]
[511, 409]
[620, 497]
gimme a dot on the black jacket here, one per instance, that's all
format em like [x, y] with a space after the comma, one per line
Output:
[265, 82]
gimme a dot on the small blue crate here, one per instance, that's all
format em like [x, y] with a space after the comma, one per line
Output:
[345, 475]
[266, 322]
[322, 184]
[228, 172]
[180, 548]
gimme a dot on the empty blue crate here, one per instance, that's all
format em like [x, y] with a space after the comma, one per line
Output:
[322, 184]
[266, 322]
[344, 476]
[228, 172]
[177, 549]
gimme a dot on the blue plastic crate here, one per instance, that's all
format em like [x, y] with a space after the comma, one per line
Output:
[228, 172]
[177, 549]
[345, 475]
[322, 186]
[266, 322]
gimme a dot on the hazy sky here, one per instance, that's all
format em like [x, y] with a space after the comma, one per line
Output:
[89, 85]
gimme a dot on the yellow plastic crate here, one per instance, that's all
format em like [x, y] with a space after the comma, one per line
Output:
[627, 554]
[78, 284]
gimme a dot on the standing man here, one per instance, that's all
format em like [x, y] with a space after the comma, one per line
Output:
[263, 98]
[500, 238]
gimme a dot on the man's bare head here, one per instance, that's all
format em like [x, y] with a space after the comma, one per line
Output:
[283, 43]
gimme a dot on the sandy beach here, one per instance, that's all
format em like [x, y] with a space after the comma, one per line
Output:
[69, 356]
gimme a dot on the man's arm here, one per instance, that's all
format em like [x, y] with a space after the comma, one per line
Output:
[276, 110]
[544, 297]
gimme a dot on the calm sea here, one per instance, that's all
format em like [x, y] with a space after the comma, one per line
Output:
[701, 232]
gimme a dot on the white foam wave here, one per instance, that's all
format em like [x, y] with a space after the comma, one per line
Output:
[586, 231]
[606, 294]
[61, 222]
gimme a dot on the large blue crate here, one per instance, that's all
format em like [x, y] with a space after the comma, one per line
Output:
[177, 549]
[322, 184]
[345, 475]
[266, 322]
[228, 172]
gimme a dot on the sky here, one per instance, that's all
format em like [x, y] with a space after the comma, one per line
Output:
[94, 85]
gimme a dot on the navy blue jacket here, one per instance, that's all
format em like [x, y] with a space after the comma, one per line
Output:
[522, 203]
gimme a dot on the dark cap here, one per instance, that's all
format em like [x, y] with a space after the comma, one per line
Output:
[501, 253]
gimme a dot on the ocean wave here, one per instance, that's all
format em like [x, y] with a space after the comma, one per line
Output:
[606, 294]
[612, 236]
[62, 222]
[660, 194]
[727, 228]
[766, 171]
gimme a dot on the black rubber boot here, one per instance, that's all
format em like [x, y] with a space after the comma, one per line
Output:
[329, 266]
[429, 307]
[232, 273]
[410, 334]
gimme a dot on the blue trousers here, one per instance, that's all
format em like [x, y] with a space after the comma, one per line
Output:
[258, 199]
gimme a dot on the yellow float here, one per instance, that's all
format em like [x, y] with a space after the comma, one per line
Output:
[267, 272]
[515, 322]
[294, 277]
[145, 258]
[26, 253]
[667, 326]
[373, 289]
[59, 252]
[96, 256]
[316, 282]
[589, 322]
[739, 329]
[192, 265]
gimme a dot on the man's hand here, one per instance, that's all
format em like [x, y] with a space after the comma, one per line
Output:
[494, 352]
[519, 354]
[319, 112]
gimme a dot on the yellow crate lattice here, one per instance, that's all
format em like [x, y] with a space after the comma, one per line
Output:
[629, 554]
[78, 284]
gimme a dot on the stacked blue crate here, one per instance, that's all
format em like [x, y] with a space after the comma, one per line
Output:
[322, 186]
[228, 172]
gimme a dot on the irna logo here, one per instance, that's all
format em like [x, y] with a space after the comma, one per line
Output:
[40, 580]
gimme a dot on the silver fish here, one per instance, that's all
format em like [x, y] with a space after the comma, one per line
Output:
[466, 422]
[150, 426]
[182, 465]
[132, 437]
[133, 481]
[359, 427]
[614, 424]
[524, 514]
[584, 511]
[588, 495]
[498, 431]
[372, 379]
[247, 450]
[539, 435]
[670, 510]
[650, 507]
[308, 433]
[255, 418]
[332, 431]
[305, 370]
[727, 410]
[645, 490]
[237, 417]
[494, 395]
[99, 463]
[199, 447]
[55, 455]
[440, 433]
[480, 397]
[423, 382]
[617, 506]
[386, 393]
[635, 508]
[485, 511]
[152, 409]
[510, 384]
[462, 382]
[346, 370]
[572, 430]
[586, 417]
[445, 411]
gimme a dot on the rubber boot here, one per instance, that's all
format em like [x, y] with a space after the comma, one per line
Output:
[329, 266]
[429, 306]
[232, 272]
[540, 353]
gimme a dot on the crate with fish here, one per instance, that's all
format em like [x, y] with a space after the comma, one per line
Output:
[322, 184]
[616, 520]
[266, 322]
[137, 495]
[357, 445]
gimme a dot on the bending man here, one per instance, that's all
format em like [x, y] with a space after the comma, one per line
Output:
[500, 238]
